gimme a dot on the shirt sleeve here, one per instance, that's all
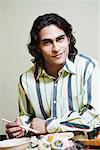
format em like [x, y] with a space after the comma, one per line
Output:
[26, 112]
[89, 117]
[91, 99]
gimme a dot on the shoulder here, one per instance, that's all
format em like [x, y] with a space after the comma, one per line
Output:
[86, 64]
[29, 73]
[85, 59]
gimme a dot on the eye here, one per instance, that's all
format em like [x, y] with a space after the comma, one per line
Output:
[61, 38]
[46, 43]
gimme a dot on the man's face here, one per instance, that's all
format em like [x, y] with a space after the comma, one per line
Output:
[54, 46]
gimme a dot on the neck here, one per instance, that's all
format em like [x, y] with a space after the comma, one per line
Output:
[53, 70]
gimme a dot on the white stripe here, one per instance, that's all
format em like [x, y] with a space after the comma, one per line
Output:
[31, 91]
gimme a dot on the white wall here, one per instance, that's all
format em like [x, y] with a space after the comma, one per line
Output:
[16, 18]
[99, 30]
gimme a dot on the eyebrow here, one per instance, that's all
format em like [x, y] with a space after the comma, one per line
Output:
[57, 38]
[61, 36]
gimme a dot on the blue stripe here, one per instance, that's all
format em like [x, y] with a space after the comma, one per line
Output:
[49, 121]
[40, 100]
[55, 99]
[70, 124]
[86, 65]
[70, 93]
[89, 90]
[89, 60]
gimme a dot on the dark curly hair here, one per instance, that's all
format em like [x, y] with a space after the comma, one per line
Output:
[43, 21]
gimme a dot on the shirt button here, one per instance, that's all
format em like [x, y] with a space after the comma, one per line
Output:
[55, 84]
[54, 117]
[54, 102]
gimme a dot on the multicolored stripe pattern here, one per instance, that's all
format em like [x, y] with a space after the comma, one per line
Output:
[65, 102]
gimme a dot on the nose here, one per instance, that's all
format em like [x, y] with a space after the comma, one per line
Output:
[55, 47]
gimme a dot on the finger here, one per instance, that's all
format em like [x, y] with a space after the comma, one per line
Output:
[13, 124]
[98, 136]
[18, 121]
[13, 129]
[32, 133]
[21, 134]
[13, 132]
[18, 134]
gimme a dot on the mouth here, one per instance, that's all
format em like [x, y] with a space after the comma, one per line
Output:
[57, 55]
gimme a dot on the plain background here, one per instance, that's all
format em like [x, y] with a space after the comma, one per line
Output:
[16, 19]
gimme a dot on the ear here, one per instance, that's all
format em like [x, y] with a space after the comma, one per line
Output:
[38, 49]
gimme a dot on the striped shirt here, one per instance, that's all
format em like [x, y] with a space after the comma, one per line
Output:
[68, 103]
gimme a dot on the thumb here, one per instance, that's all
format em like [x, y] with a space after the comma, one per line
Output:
[18, 121]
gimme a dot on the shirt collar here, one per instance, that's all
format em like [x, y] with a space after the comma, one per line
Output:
[69, 67]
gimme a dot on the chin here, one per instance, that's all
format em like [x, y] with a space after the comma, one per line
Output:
[59, 63]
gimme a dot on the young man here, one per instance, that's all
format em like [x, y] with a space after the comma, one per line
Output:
[58, 93]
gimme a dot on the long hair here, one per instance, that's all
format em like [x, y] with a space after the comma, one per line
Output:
[43, 21]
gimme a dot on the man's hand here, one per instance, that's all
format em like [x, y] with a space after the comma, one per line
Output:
[38, 124]
[14, 130]
[98, 136]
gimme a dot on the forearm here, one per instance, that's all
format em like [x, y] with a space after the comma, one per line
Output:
[70, 122]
